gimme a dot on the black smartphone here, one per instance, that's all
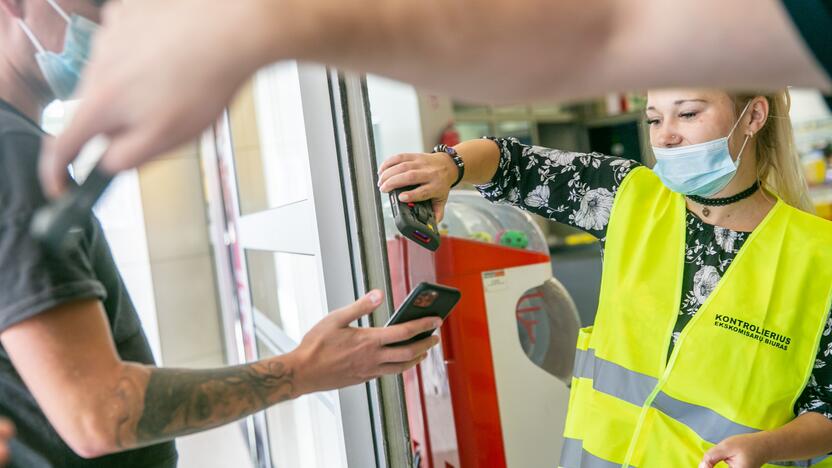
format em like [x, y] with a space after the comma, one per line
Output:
[415, 220]
[426, 300]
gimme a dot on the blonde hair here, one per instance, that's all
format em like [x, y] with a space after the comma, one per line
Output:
[779, 169]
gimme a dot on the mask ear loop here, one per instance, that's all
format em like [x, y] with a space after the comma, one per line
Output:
[742, 148]
[31, 36]
[747, 137]
[60, 10]
[739, 118]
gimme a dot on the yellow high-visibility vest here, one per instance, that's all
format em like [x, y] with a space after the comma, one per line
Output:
[737, 367]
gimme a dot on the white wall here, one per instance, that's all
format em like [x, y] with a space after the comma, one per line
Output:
[807, 104]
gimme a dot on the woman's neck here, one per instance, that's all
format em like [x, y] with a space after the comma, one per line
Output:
[745, 214]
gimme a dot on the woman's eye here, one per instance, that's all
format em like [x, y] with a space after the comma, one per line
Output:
[687, 115]
[652, 121]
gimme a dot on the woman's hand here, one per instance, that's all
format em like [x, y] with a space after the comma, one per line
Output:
[742, 451]
[6, 433]
[433, 173]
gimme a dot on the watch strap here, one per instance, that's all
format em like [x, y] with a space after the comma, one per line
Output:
[460, 164]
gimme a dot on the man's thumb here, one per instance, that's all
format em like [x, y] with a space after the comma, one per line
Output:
[345, 316]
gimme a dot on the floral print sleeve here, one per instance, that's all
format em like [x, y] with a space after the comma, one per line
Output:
[572, 188]
[817, 396]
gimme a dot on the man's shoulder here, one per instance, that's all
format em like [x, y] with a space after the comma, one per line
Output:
[12, 123]
[19, 137]
[20, 143]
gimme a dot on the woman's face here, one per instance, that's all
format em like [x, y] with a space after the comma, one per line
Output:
[681, 117]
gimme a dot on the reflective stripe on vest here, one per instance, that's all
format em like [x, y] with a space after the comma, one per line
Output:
[574, 455]
[632, 387]
[738, 366]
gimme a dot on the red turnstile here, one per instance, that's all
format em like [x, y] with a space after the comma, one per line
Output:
[452, 398]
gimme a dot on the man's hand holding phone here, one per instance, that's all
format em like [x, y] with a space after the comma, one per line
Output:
[426, 300]
[334, 354]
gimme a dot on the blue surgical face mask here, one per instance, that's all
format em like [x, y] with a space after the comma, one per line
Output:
[63, 70]
[703, 169]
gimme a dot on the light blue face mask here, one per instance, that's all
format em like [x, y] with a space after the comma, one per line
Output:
[63, 70]
[703, 169]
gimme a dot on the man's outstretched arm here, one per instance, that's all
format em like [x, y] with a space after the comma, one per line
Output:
[178, 79]
[100, 404]
[498, 50]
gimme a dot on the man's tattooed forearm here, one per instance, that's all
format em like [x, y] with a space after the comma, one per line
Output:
[180, 402]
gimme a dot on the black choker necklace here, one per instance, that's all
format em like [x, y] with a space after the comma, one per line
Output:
[706, 202]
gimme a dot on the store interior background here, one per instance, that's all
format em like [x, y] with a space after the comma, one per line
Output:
[159, 218]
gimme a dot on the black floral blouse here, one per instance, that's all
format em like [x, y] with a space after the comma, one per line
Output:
[578, 189]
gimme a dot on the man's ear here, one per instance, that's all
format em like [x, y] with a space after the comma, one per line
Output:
[13, 8]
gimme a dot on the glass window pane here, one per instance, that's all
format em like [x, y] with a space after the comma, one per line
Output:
[395, 116]
[397, 128]
[305, 432]
[269, 140]
[287, 289]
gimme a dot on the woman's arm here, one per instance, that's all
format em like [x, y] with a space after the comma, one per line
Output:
[806, 437]
[435, 173]
[482, 158]
[572, 188]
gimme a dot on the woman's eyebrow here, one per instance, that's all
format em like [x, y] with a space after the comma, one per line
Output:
[680, 101]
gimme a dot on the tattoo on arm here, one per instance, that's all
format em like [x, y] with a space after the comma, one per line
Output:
[181, 402]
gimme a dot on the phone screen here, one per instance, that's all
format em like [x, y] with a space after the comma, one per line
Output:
[426, 300]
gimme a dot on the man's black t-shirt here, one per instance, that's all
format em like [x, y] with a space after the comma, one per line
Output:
[32, 281]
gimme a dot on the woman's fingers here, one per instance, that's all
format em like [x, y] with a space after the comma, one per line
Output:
[398, 159]
[391, 172]
[439, 209]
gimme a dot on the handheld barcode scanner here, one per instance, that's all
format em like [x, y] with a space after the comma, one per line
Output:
[415, 220]
[53, 224]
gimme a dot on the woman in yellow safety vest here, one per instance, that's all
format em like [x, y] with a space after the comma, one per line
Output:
[712, 340]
